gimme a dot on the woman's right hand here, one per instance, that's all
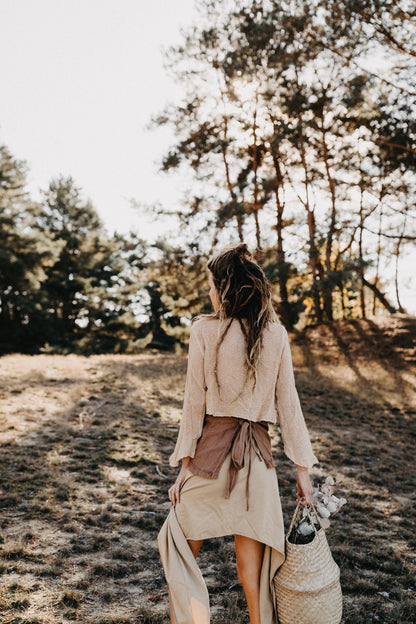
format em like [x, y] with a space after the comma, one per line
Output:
[174, 491]
[305, 487]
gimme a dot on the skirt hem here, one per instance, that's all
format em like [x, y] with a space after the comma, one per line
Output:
[228, 533]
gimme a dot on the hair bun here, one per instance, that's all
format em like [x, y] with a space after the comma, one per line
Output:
[241, 250]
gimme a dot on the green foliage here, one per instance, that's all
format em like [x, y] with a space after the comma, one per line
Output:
[80, 288]
[62, 278]
[25, 252]
[298, 124]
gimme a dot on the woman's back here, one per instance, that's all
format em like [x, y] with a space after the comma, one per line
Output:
[273, 398]
[236, 394]
[239, 376]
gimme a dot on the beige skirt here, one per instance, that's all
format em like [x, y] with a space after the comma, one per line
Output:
[204, 513]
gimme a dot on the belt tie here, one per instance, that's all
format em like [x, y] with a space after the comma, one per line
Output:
[243, 438]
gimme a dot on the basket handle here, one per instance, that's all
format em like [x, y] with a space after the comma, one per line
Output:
[296, 514]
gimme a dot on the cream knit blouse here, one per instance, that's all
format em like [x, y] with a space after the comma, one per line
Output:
[273, 399]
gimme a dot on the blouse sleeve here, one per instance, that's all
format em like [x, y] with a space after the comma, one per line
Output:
[193, 411]
[297, 445]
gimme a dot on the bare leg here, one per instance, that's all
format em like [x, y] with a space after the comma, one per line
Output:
[195, 546]
[249, 554]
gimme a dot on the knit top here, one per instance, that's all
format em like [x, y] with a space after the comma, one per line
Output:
[272, 399]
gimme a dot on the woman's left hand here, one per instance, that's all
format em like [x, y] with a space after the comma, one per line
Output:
[305, 488]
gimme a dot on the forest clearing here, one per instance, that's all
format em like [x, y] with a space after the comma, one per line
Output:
[155, 134]
[84, 467]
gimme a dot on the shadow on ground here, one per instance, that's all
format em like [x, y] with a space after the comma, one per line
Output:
[84, 478]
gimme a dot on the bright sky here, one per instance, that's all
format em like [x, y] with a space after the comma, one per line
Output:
[80, 82]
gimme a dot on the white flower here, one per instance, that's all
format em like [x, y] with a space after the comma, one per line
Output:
[305, 529]
[325, 502]
[323, 511]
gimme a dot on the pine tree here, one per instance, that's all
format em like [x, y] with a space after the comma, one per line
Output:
[25, 253]
[80, 285]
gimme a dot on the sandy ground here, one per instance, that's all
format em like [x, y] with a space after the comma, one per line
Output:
[84, 470]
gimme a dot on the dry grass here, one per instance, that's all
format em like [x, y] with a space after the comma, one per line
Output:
[84, 441]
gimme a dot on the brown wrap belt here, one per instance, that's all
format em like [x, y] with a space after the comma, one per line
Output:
[222, 434]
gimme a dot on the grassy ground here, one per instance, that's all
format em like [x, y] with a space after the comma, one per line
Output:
[84, 478]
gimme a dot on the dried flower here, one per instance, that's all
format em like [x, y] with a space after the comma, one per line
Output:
[325, 503]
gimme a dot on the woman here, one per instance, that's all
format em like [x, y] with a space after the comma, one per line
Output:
[239, 379]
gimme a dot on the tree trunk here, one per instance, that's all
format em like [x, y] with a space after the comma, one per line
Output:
[327, 289]
[255, 164]
[233, 196]
[397, 254]
[284, 307]
[380, 221]
[313, 252]
[239, 219]
[360, 257]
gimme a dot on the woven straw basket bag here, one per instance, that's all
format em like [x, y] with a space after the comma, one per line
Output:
[307, 584]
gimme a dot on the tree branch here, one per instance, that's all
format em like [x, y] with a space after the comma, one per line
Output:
[395, 145]
[349, 59]
[394, 236]
[379, 295]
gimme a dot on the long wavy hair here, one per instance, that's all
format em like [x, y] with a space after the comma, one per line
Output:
[244, 294]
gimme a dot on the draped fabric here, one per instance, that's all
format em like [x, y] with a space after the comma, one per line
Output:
[228, 434]
[230, 485]
[188, 593]
[203, 513]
